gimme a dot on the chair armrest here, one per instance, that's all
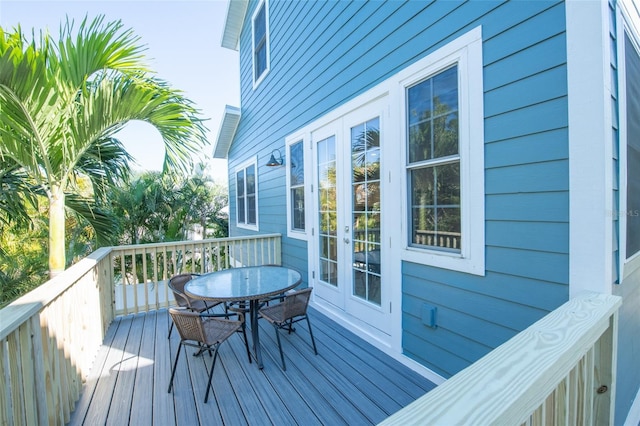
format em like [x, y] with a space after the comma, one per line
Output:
[240, 315]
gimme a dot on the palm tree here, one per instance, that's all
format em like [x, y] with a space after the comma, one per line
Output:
[61, 105]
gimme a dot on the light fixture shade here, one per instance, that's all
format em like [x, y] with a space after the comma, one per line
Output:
[273, 162]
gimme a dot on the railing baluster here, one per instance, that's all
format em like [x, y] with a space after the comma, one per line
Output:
[589, 386]
[15, 372]
[154, 266]
[123, 275]
[144, 279]
[134, 283]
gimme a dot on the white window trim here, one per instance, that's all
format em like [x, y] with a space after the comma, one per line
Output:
[466, 52]
[257, 82]
[625, 24]
[590, 147]
[251, 162]
[290, 140]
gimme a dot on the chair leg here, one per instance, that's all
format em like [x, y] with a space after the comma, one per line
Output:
[213, 364]
[173, 370]
[276, 327]
[311, 334]
[170, 330]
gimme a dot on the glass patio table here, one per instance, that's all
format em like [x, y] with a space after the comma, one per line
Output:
[251, 283]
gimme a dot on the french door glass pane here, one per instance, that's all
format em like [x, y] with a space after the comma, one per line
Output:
[365, 189]
[328, 214]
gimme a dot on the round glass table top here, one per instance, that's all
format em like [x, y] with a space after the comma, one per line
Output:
[246, 283]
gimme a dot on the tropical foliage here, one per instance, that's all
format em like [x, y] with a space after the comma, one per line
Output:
[156, 208]
[62, 104]
[152, 207]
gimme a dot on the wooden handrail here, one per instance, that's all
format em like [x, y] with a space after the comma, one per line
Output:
[560, 370]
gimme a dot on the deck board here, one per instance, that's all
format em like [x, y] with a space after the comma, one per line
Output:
[141, 404]
[349, 381]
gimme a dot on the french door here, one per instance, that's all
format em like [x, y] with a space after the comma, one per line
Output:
[348, 235]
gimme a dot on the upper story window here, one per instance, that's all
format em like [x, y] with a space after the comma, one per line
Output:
[260, 41]
[295, 171]
[246, 196]
[444, 157]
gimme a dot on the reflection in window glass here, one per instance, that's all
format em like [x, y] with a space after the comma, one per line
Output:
[365, 183]
[296, 188]
[632, 63]
[434, 162]
[328, 214]
[246, 212]
[260, 42]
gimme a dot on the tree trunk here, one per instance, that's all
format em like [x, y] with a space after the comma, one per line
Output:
[203, 224]
[57, 255]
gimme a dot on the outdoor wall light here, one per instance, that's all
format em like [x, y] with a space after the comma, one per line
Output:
[273, 162]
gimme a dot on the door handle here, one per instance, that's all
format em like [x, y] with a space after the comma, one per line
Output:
[346, 240]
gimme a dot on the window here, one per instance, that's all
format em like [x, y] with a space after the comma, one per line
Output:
[442, 102]
[630, 142]
[260, 27]
[246, 198]
[296, 187]
[434, 162]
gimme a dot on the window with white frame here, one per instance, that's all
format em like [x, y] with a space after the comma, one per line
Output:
[260, 42]
[296, 186]
[434, 162]
[246, 196]
[444, 157]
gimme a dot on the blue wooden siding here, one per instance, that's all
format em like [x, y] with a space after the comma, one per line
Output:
[526, 201]
[326, 53]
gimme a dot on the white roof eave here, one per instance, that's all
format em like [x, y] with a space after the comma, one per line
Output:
[233, 24]
[227, 131]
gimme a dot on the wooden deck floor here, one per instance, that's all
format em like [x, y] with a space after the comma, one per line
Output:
[349, 382]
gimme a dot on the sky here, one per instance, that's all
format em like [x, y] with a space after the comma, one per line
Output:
[183, 48]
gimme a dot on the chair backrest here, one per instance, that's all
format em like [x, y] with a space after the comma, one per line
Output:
[189, 324]
[296, 302]
[176, 284]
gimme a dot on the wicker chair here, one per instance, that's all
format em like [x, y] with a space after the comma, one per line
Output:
[176, 284]
[206, 332]
[292, 309]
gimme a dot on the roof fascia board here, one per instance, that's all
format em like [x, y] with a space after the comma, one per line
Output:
[227, 131]
[233, 24]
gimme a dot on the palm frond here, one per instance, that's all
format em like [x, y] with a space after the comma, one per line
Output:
[108, 103]
[104, 225]
[105, 163]
[97, 46]
[17, 194]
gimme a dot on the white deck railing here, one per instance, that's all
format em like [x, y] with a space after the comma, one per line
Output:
[559, 371]
[146, 288]
[49, 337]
[48, 341]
